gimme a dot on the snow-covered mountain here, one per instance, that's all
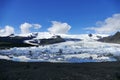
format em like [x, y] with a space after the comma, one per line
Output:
[66, 37]
[87, 49]
[47, 35]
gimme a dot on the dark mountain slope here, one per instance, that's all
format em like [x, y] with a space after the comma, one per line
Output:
[15, 41]
[18, 41]
[111, 39]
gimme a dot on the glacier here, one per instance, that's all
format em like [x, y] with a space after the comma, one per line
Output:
[87, 50]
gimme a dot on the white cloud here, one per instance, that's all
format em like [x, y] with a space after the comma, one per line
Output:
[37, 26]
[7, 31]
[109, 26]
[25, 28]
[58, 27]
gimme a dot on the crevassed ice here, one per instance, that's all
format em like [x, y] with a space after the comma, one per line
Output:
[65, 52]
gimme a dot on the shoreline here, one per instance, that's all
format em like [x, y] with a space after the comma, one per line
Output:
[10, 70]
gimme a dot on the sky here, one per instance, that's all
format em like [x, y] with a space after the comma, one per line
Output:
[60, 16]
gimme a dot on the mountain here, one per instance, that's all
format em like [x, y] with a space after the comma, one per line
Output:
[29, 40]
[111, 39]
[86, 37]
[44, 41]
[45, 38]
[14, 41]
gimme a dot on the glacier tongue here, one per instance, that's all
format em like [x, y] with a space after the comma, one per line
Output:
[87, 50]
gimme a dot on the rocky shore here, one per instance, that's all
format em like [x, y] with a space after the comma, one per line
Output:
[10, 70]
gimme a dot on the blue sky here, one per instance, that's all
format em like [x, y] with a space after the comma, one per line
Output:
[79, 14]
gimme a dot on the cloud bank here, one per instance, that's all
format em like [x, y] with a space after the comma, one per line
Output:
[7, 31]
[59, 28]
[109, 26]
[25, 28]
